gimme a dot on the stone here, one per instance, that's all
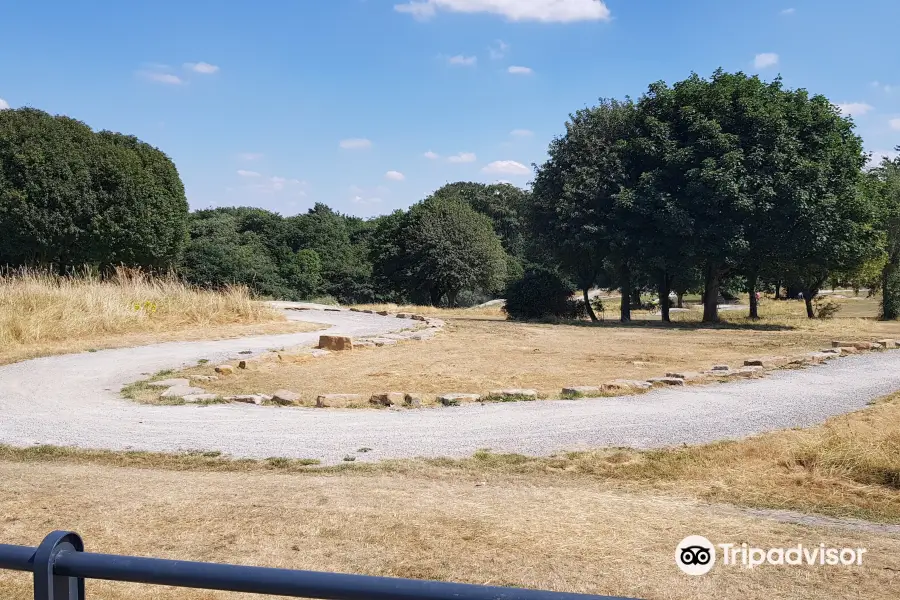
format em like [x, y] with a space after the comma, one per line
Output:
[836, 344]
[404, 315]
[660, 381]
[580, 390]
[256, 399]
[686, 375]
[354, 309]
[205, 378]
[438, 323]
[817, 358]
[332, 310]
[865, 345]
[624, 385]
[395, 336]
[848, 350]
[242, 364]
[457, 399]
[422, 336]
[369, 311]
[285, 397]
[388, 399]
[337, 400]
[418, 318]
[888, 344]
[167, 383]
[363, 344]
[835, 351]
[335, 342]
[513, 393]
[225, 370]
[769, 362]
[194, 398]
[721, 368]
[180, 391]
[383, 342]
[383, 313]
[414, 400]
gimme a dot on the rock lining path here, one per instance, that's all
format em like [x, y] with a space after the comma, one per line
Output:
[73, 400]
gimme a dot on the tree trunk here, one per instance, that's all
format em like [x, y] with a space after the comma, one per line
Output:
[636, 298]
[751, 289]
[435, 296]
[778, 289]
[625, 304]
[664, 283]
[889, 301]
[587, 305]
[680, 297]
[451, 298]
[711, 294]
[809, 306]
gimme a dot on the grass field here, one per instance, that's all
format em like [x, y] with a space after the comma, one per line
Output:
[600, 522]
[43, 314]
[480, 351]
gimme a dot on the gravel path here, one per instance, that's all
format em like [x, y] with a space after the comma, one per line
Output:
[73, 401]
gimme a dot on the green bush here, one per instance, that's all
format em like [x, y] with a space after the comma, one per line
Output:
[539, 294]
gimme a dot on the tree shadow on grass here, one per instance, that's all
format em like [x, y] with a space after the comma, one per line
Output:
[644, 324]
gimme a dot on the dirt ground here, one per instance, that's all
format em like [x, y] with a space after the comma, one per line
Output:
[577, 535]
[484, 352]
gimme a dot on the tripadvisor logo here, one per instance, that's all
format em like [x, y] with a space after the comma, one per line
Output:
[696, 555]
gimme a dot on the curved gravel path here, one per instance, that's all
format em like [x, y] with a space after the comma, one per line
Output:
[73, 400]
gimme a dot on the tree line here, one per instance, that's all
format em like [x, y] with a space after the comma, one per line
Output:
[715, 186]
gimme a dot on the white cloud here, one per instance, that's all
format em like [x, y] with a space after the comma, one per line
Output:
[521, 133]
[462, 61]
[506, 167]
[789, 11]
[498, 50]
[394, 176]
[3, 104]
[244, 173]
[431, 155]
[167, 78]
[520, 70]
[275, 184]
[201, 67]
[895, 124]
[363, 200]
[250, 156]
[855, 108]
[546, 11]
[764, 60]
[462, 157]
[879, 155]
[356, 144]
[883, 87]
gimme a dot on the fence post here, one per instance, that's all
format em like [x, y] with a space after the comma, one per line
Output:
[48, 586]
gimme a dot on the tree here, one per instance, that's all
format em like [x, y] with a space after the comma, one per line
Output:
[70, 197]
[881, 185]
[448, 247]
[576, 211]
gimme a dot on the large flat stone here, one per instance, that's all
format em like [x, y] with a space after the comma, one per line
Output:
[888, 344]
[388, 399]
[194, 398]
[662, 381]
[580, 390]
[285, 397]
[455, 399]
[335, 343]
[513, 394]
[338, 400]
[686, 375]
[180, 391]
[625, 385]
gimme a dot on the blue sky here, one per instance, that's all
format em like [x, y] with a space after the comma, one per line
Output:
[284, 103]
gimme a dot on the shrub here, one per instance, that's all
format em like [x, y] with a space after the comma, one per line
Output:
[539, 294]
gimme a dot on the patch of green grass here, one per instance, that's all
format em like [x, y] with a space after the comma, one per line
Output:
[202, 361]
[364, 450]
[349, 458]
[509, 398]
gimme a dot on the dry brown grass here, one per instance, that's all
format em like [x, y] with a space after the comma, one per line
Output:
[476, 354]
[43, 314]
[561, 533]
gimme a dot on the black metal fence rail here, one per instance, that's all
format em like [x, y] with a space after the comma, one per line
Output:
[60, 566]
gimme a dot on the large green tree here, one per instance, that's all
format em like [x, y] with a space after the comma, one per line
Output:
[71, 197]
[881, 185]
[577, 210]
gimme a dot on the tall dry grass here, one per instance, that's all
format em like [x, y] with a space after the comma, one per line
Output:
[40, 310]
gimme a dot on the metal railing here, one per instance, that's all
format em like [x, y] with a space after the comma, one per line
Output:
[60, 566]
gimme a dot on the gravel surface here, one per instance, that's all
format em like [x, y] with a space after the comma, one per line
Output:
[73, 400]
